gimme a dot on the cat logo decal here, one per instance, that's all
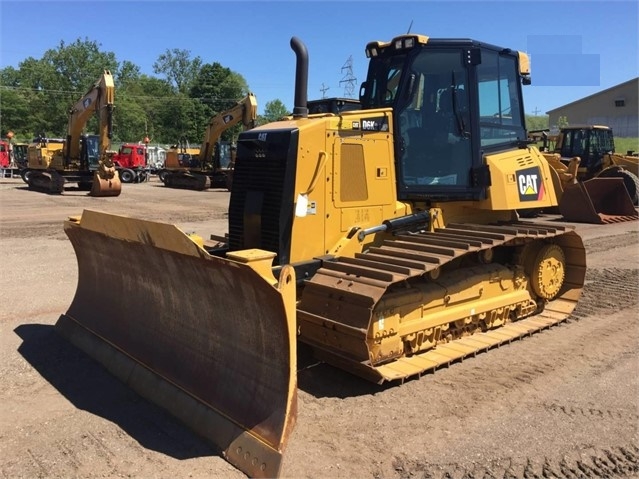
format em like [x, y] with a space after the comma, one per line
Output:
[529, 184]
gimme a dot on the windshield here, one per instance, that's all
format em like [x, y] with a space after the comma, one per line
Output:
[434, 129]
[382, 84]
[588, 144]
[452, 104]
[92, 145]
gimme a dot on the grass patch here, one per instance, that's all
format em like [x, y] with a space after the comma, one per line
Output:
[625, 144]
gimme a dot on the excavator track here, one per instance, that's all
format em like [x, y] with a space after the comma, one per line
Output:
[187, 180]
[345, 305]
[46, 181]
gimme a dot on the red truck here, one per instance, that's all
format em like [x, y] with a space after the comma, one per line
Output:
[5, 160]
[131, 163]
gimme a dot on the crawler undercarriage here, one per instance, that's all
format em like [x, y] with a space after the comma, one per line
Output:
[421, 301]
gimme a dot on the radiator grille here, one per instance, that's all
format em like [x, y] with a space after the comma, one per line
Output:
[261, 205]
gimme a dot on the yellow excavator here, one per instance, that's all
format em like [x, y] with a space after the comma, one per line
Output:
[82, 159]
[200, 169]
[385, 238]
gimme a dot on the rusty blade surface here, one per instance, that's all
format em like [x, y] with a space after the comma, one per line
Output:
[597, 201]
[211, 330]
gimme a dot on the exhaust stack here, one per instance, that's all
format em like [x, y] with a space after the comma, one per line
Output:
[300, 110]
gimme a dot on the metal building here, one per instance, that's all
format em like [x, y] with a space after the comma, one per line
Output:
[616, 107]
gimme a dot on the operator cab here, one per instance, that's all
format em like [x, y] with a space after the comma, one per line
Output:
[453, 101]
[89, 152]
[589, 143]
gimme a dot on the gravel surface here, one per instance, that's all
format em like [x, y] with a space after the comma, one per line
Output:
[563, 403]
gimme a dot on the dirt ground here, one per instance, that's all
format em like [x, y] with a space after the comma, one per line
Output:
[563, 403]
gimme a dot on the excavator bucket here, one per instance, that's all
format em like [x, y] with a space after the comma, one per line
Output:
[106, 182]
[210, 339]
[597, 201]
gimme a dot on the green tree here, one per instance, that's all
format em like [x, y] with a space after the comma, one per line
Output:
[15, 111]
[127, 73]
[562, 122]
[178, 68]
[216, 89]
[15, 114]
[273, 111]
[53, 83]
[35, 97]
[79, 64]
[536, 122]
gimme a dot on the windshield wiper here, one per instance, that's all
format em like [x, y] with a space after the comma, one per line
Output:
[459, 120]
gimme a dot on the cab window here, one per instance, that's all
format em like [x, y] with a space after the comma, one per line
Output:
[500, 110]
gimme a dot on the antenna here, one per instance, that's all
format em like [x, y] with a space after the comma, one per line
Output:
[348, 79]
[409, 27]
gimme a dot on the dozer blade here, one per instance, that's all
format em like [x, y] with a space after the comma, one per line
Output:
[212, 340]
[106, 183]
[597, 201]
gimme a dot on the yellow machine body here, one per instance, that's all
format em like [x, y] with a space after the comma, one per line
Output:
[341, 236]
[40, 154]
[173, 159]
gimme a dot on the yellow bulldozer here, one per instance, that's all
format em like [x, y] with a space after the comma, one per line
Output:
[593, 183]
[386, 239]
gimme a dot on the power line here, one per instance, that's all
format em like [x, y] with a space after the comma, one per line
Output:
[127, 95]
[348, 79]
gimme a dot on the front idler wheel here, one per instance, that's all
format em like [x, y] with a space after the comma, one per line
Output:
[547, 271]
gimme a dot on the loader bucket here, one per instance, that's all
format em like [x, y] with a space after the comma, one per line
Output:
[597, 201]
[210, 339]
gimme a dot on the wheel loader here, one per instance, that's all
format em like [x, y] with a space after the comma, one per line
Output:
[386, 239]
[594, 184]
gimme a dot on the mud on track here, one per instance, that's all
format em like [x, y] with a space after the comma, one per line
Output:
[559, 404]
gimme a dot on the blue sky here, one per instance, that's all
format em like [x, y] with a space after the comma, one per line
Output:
[577, 47]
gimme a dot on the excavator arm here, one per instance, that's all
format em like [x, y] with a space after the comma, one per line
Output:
[97, 100]
[244, 111]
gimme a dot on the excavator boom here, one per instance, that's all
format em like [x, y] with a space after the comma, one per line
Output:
[206, 168]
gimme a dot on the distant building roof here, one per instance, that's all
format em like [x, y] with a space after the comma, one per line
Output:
[594, 95]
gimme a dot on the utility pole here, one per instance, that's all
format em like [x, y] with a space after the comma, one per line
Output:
[536, 111]
[348, 79]
[324, 89]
